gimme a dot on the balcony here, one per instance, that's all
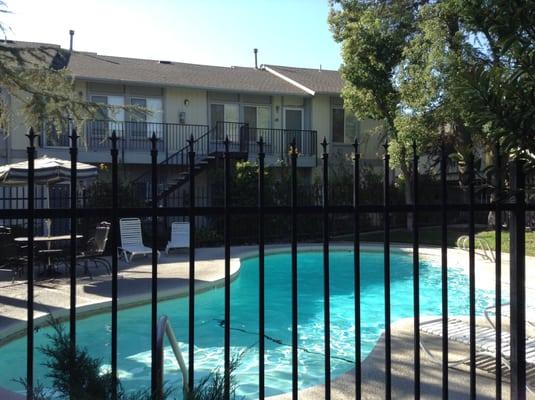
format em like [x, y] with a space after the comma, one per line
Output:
[134, 146]
[133, 136]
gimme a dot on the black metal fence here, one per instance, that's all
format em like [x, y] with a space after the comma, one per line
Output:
[509, 197]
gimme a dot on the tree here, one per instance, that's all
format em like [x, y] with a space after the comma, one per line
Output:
[498, 82]
[465, 67]
[374, 37]
[37, 76]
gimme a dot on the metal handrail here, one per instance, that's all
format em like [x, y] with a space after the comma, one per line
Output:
[164, 328]
[488, 253]
[176, 154]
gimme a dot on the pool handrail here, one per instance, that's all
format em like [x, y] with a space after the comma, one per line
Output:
[484, 245]
[164, 328]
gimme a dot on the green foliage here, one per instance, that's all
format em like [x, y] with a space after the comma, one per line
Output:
[374, 36]
[499, 82]
[38, 78]
[461, 69]
[75, 374]
[99, 192]
[212, 386]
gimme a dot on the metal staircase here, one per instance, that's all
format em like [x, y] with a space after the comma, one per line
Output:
[207, 147]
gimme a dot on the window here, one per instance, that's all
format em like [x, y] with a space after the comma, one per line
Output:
[143, 124]
[224, 113]
[102, 113]
[256, 116]
[155, 118]
[137, 116]
[344, 126]
[338, 125]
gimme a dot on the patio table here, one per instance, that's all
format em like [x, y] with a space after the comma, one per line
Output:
[48, 252]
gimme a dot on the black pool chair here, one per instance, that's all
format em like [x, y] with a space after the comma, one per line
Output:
[94, 250]
[13, 256]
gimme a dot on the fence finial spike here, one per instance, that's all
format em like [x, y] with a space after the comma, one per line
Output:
[227, 141]
[154, 140]
[324, 144]
[74, 134]
[261, 144]
[31, 137]
[414, 146]
[356, 144]
[293, 147]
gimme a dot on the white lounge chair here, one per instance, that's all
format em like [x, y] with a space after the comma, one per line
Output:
[459, 332]
[179, 236]
[132, 240]
[490, 312]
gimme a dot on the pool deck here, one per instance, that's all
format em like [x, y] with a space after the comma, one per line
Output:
[134, 286]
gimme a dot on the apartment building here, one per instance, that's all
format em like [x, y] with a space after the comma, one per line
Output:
[208, 103]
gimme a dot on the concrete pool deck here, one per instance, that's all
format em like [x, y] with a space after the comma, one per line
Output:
[52, 296]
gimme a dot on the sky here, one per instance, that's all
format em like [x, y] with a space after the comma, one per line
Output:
[215, 32]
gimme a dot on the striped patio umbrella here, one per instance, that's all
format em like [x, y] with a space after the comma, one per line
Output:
[47, 171]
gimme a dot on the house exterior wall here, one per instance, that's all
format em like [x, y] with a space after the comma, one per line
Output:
[195, 110]
[321, 119]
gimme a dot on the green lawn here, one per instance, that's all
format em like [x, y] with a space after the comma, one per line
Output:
[433, 236]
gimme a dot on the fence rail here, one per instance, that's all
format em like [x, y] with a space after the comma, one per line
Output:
[509, 199]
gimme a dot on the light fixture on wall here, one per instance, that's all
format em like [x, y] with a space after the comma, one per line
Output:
[186, 102]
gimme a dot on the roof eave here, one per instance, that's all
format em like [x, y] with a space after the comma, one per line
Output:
[156, 84]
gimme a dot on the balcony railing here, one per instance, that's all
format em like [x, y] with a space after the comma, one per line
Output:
[173, 138]
[244, 139]
[133, 135]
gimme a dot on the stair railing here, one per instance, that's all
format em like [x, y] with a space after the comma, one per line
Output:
[201, 145]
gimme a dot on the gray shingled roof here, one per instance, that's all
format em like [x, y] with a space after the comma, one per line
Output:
[320, 81]
[131, 70]
[92, 66]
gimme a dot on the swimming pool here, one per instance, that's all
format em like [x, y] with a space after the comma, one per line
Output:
[134, 323]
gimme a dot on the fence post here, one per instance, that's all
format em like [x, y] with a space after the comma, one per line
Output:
[261, 270]
[386, 224]
[74, 206]
[191, 257]
[326, 271]
[356, 261]
[155, 384]
[226, 187]
[30, 304]
[517, 283]
[114, 152]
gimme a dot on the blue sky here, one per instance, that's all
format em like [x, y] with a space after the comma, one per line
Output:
[218, 32]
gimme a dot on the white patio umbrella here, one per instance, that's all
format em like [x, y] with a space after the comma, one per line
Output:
[47, 171]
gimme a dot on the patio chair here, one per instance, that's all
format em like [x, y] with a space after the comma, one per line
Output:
[94, 250]
[132, 240]
[459, 332]
[179, 236]
[13, 255]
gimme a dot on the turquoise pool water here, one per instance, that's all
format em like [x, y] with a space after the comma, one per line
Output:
[134, 323]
